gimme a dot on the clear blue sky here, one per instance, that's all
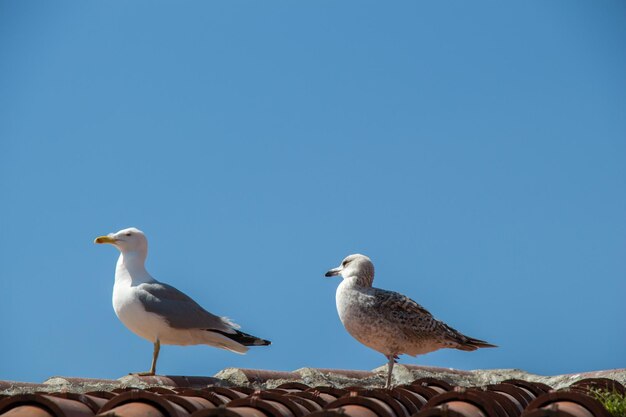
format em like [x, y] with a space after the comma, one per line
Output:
[476, 151]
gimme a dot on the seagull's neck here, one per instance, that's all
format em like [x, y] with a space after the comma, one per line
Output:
[131, 269]
[355, 281]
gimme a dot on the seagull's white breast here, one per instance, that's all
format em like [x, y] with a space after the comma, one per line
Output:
[131, 312]
[354, 306]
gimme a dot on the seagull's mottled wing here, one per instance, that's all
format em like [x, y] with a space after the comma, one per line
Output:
[414, 319]
[179, 310]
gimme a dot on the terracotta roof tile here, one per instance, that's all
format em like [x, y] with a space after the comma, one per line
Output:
[44, 405]
[208, 397]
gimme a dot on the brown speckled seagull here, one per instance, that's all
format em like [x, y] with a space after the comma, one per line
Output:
[387, 321]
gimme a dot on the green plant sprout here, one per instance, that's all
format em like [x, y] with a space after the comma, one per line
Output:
[613, 401]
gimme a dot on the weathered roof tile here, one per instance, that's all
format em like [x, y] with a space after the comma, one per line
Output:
[274, 394]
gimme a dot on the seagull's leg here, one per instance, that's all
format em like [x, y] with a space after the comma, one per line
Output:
[155, 356]
[392, 361]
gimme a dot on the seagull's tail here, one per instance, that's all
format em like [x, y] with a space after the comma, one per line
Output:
[470, 344]
[458, 340]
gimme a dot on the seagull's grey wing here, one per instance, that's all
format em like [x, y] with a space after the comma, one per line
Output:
[179, 310]
[414, 319]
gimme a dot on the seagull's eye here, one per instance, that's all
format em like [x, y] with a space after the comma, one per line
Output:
[128, 234]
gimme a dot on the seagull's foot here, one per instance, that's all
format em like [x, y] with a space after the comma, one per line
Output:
[142, 373]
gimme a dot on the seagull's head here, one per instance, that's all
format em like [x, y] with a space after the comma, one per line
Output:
[356, 265]
[126, 240]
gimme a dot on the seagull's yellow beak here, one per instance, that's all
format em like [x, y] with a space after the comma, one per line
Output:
[104, 239]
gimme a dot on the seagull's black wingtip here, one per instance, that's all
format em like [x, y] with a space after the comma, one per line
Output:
[262, 342]
[244, 338]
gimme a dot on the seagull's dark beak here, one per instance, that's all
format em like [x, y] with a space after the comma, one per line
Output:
[105, 239]
[333, 272]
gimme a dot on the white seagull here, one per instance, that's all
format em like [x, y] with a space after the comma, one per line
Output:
[159, 312]
[389, 322]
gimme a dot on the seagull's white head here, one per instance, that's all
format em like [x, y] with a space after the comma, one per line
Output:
[356, 265]
[126, 240]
